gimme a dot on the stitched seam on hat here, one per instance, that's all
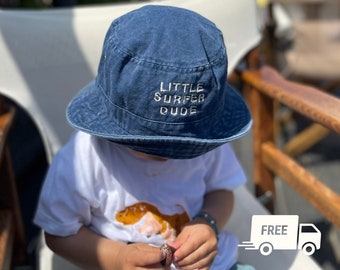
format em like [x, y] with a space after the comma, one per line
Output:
[215, 60]
[167, 66]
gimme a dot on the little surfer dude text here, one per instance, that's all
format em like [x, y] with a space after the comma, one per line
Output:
[179, 98]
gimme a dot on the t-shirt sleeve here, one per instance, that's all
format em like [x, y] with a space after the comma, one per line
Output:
[224, 170]
[65, 203]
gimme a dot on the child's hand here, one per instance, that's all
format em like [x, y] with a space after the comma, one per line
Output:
[196, 246]
[139, 256]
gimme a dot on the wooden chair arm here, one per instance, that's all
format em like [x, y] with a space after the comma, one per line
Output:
[309, 101]
[262, 89]
[312, 189]
[6, 239]
[7, 115]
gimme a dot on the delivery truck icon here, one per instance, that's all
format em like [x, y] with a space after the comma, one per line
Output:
[270, 232]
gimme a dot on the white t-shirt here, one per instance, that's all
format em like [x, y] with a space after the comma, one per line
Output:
[102, 185]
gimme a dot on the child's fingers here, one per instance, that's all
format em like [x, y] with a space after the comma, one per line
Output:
[201, 258]
[144, 255]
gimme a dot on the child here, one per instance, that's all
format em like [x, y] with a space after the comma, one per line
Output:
[150, 163]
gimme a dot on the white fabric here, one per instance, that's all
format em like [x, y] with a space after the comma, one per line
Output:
[49, 55]
[90, 180]
[245, 206]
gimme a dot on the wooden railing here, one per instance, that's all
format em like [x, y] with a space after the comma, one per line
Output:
[263, 88]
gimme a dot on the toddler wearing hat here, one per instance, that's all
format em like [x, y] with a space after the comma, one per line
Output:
[150, 162]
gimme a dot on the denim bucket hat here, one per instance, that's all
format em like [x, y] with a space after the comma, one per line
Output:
[161, 86]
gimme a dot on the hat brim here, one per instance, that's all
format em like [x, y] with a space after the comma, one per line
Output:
[232, 122]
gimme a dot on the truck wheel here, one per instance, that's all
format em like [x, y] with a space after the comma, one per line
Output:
[308, 249]
[266, 249]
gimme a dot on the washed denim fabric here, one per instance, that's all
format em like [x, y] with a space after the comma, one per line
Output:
[161, 86]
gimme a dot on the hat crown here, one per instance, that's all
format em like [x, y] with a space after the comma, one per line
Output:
[168, 36]
[161, 86]
[163, 64]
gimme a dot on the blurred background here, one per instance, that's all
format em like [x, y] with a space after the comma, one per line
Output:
[51, 3]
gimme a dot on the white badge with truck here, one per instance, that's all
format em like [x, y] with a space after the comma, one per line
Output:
[274, 232]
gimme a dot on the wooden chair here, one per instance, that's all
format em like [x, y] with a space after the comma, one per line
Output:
[262, 89]
[313, 57]
[12, 237]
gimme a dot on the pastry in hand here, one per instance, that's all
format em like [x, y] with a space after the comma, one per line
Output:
[168, 252]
